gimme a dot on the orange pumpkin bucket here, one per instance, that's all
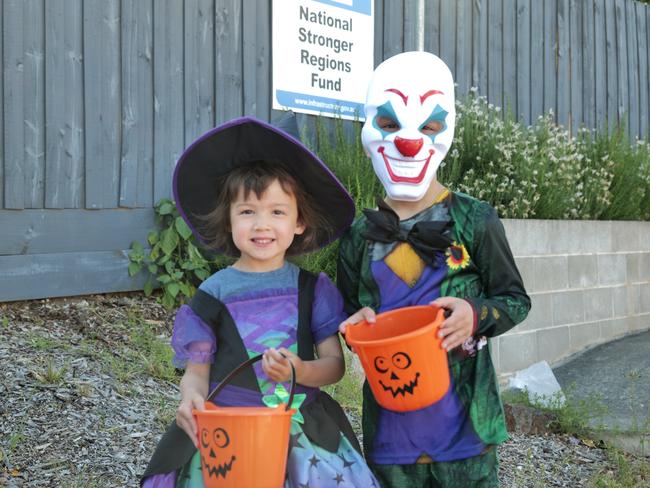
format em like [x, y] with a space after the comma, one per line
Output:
[405, 364]
[244, 446]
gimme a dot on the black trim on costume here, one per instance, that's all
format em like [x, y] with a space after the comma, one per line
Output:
[306, 290]
[231, 351]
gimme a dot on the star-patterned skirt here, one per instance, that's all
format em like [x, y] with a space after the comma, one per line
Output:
[308, 466]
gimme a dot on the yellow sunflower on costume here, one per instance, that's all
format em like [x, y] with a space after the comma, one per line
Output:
[457, 256]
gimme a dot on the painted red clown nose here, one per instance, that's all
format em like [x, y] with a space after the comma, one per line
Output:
[408, 147]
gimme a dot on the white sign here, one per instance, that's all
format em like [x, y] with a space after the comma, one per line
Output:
[323, 56]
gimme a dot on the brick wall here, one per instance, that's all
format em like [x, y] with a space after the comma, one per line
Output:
[589, 282]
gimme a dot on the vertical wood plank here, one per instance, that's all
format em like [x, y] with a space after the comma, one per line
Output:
[495, 52]
[480, 46]
[257, 66]
[612, 65]
[14, 104]
[523, 61]
[622, 105]
[576, 55]
[633, 67]
[536, 59]
[102, 103]
[432, 27]
[229, 95]
[588, 65]
[34, 158]
[393, 28]
[550, 55]
[410, 25]
[510, 28]
[168, 92]
[644, 85]
[136, 165]
[563, 64]
[448, 34]
[600, 38]
[2, 130]
[199, 68]
[464, 47]
[64, 105]
[378, 53]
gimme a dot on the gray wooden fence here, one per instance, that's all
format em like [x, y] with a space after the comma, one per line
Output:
[99, 97]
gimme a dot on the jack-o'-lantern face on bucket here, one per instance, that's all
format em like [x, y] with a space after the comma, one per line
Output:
[397, 376]
[216, 456]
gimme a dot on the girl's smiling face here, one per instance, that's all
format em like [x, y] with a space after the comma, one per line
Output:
[264, 228]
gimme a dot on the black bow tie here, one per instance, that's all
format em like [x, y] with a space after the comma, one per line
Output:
[425, 237]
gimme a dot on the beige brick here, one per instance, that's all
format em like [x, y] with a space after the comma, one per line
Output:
[598, 303]
[644, 298]
[583, 270]
[527, 271]
[612, 269]
[566, 237]
[611, 329]
[517, 351]
[582, 336]
[494, 352]
[568, 307]
[553, 344]
[620, 301]
[644, 266]
[633, 262]
[625, 236]
[634, 299]
[551, 273]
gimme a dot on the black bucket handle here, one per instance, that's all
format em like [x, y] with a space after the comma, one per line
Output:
[250, 362]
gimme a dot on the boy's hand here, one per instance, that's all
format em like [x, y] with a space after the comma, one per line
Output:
[366, 313]
[459, 326]
[275, 363]
[184, 418]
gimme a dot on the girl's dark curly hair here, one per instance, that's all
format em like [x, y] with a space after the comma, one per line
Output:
[257, 176]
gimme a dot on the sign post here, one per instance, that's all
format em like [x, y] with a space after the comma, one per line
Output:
[323, 56]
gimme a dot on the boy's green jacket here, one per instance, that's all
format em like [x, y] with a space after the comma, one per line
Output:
[480, 269]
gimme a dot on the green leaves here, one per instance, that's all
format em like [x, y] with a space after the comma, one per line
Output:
[174, 262]
[182, 228]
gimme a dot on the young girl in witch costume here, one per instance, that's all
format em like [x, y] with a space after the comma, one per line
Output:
[425, 244]
[252, 191]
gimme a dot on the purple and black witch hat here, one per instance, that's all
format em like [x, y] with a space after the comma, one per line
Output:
[247, 139]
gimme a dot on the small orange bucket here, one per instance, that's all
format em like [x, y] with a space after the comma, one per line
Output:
[244, 446]
[405, 364]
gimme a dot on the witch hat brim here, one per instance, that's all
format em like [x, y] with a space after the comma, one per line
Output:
[244, 140]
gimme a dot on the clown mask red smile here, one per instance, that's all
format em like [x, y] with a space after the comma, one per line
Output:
[220, 459]
[397, 376]
[410, 118]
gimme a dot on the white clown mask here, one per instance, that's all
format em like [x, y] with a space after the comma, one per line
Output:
[410, 119]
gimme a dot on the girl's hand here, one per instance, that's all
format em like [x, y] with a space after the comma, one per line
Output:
[459, 326]
[184, 418]
[366, 313]
[275, 363]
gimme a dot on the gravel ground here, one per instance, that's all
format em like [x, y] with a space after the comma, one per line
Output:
[81, 408]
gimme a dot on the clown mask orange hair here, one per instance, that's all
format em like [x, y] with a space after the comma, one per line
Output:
[410, 119]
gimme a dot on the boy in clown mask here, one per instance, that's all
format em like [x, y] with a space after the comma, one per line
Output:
[426, 244]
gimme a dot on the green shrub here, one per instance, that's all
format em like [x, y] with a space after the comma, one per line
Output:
[174, 261]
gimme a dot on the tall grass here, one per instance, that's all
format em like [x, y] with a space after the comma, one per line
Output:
[539, 171]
